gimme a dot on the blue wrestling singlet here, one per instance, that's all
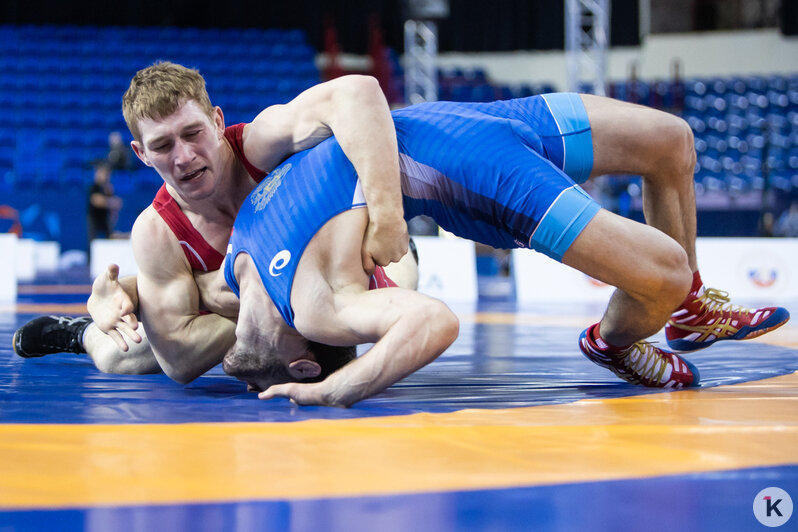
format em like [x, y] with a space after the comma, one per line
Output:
[500, 173]
[280, 217]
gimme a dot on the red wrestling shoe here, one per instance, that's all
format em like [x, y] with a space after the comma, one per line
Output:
[707, 317]
[641, 363]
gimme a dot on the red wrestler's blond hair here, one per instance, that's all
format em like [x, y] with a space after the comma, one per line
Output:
[158, 90]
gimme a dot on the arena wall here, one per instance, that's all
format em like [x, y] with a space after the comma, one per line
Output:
[701, 54]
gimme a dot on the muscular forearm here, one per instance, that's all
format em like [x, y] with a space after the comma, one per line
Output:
[364, 128]
[198, 345]
[411, 343]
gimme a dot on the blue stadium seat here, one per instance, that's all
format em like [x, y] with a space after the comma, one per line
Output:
[504, 93]
[717, 124]
[271, 35]
[695, 87]
[524, 90]
[717, 87]
[462, 93]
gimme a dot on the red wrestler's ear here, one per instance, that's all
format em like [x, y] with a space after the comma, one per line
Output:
[138, 149]
[303, 368]
[218, 120]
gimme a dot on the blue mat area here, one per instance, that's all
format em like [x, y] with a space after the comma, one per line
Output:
[489, 366]
[687, 503]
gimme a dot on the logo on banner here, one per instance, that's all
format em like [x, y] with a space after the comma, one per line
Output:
[763, 278]
[430, 283]
[763, 270]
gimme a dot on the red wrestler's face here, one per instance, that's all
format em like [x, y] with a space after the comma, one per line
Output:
[185, 149]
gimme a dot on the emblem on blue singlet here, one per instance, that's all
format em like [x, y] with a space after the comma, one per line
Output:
[279, 262]
[263, 194]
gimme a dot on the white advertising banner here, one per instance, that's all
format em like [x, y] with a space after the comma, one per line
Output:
[447, 268]
[113, 251]
[46, 255]
[8, 267]
[26, 259]
[541, 279]
[748, 268]
[751, 268]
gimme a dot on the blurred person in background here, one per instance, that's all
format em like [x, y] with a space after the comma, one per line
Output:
[103, 205]
[118, 152]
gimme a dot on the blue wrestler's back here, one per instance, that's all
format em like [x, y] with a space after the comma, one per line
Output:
[479, 170]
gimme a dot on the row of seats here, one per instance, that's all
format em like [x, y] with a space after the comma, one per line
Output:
[746, 132]
[55, 116]
[61, 89]
[647, 92]
[109, 59]
[745, 127]
[741, 84]
[29, 36]
[21, 101]
[75, 73]
[472, 85]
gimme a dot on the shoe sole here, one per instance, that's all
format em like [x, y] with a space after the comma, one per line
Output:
[14, 346]
[694, 370]
[746, 333]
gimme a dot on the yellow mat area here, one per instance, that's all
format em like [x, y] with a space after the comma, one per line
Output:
[728, 427]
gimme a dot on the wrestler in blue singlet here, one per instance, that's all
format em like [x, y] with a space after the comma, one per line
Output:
[501, 173]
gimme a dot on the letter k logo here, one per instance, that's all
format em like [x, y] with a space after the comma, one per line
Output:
[772, 506]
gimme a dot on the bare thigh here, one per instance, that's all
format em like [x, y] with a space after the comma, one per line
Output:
[638, 259]
[633, 139]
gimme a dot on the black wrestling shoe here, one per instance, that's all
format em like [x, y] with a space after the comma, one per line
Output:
[46, 335]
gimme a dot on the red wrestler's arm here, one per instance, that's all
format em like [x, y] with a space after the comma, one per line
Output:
[185, 343]
[354, 109]
[410, 331]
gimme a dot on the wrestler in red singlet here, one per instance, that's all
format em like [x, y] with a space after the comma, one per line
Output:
[200, 254]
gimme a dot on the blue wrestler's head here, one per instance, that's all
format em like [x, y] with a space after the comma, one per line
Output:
[261, 370]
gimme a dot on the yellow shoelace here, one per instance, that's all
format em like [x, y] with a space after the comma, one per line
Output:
[648, 370]
[714, 300]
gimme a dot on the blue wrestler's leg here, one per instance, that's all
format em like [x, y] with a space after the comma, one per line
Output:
[649, 269]
[588, 136]
[659, 147]
[651, 273]
[632, 139]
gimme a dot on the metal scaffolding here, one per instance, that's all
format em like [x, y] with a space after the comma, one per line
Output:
[587, 36]
[421, 50]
